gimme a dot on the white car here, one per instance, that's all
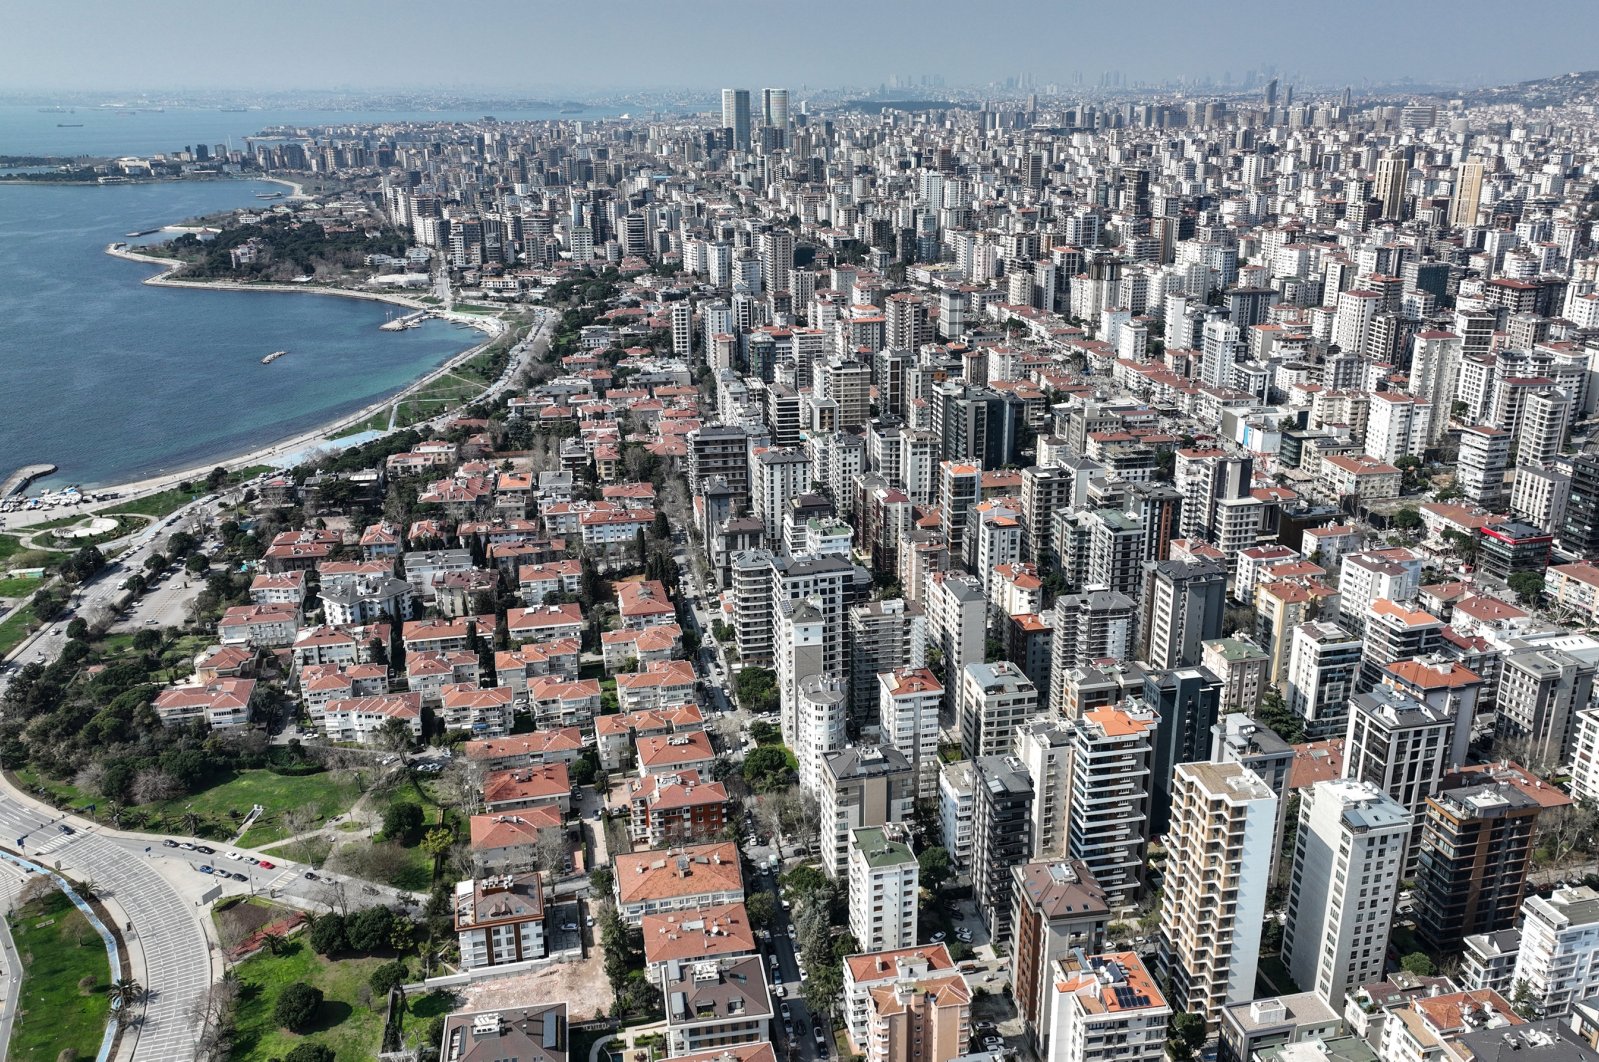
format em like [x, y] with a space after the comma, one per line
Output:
[234, 855]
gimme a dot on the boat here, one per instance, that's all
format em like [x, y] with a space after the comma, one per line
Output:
[141, 232]
[233, 110]
[274, 356]
[69, 125]
[52, 110]
[269, 195]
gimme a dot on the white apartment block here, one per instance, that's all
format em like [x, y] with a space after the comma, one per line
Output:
[1559, 957]
[1106, 1008]
[1043, 745]
[883, 881]
[908, 702]
[995, 699]
[1348, 855]
[1223, 818]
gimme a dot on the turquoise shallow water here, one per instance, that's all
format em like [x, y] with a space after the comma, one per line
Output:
[111, 379]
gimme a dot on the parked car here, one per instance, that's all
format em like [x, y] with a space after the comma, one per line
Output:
[785, 1010]
[207, 869]
[569, 927]
[234, 855]
[205, 850]
[311, 876]
[169, 843]
[68, 830]
[264, 865]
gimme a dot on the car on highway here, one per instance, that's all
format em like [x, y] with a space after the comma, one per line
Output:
[206, 868]
[68, 830]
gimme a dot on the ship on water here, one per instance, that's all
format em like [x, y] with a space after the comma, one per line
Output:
[274, 356]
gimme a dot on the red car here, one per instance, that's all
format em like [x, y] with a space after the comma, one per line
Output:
[268, 866]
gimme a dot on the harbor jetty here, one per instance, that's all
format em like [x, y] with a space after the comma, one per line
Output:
[18, 481]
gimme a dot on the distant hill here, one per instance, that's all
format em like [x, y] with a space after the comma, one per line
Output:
[1559, 90]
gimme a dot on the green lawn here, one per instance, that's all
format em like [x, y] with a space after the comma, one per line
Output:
[327, 793]
[353, 1028]
[376, 422]
[58, 949]
[158, 505]
[21, 586]
[10, 545]
[15, 627]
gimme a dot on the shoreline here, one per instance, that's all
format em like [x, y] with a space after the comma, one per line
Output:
[494, 327]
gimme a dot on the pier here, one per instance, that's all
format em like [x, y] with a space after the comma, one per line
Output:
[410, 320]
[18, 481]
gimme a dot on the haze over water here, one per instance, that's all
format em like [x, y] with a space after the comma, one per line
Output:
[111, 379]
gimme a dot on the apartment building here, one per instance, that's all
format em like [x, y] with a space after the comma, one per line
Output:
[862, 786]
[1348, 853]
[883, 881]
[1059, 907]
[1218, 864]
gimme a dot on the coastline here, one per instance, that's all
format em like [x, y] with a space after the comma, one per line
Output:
[494, 328]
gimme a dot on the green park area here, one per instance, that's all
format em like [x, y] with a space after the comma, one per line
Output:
[64, 1002]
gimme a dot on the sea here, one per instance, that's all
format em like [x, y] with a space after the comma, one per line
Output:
[112, 380]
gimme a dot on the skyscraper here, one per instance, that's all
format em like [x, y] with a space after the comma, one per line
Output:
[1218, 866]
[774, 107]
[1392, 172]
[1468, 193]
[736, 117]
[1348, 853]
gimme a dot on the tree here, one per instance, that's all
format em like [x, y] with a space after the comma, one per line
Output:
[370, 930]
[761, 908]
[1275, 713]
[125, 992]
[1419, 964]
[402, 822]
[328, 935]
[310, 1052]
[437, 841]
[1527, 585]
[297, 1007]
[1184, 1035]
[78, 628]
[386, 978]
[769, 768]
[935, 867]
[756, 688]
[1406, 519]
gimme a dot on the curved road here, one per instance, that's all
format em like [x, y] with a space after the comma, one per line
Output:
[167, 943]
[176, 957]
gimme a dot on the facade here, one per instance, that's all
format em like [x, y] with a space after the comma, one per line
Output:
[1108, 811]
[909, 701]
[883, 881]
[863, 786]
[1106, 1007]
[1001, 836]
[1348, 854]
[1219, 862]
[1559, 957]
[868, 971]
[1471, 869]
[716, 1003]
[500, 920]
[1059, 908]
[995, 699]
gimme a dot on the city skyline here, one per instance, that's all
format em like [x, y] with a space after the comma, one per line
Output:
[87, 46]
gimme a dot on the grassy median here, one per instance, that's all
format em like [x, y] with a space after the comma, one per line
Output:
[65, 976]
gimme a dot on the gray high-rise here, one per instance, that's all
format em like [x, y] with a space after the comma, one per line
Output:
[736, 116]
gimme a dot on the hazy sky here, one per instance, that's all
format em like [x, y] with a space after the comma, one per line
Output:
[544, 45]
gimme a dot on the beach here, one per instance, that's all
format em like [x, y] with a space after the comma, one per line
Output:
[301, 443]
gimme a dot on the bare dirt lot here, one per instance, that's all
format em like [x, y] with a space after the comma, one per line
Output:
[582, 985]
